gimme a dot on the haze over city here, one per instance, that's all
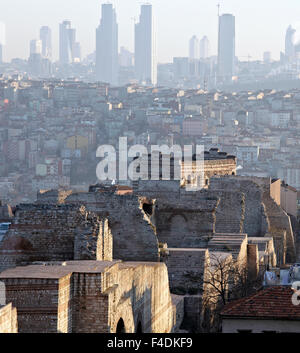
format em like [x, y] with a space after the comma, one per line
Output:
[260, 25]
[150, 170]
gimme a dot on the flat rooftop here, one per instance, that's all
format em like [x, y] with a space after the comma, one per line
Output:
[55, 271]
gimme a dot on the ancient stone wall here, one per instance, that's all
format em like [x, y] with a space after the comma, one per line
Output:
[252, 261]
[144, 291]
[52, 196]
[93, 297]
[254, 221]
[193, 308]
[47, 232]
[65, 304]
[8, 319]
[230, 213]
[36, 301]
[262, 214]
[133, 235]
[186, 268]
[90, 306]
[184, 224]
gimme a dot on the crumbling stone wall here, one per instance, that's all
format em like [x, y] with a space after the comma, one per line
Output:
[47, 232]
[280, 221]
[262, 214]
[254, 222]
[230, 213]
[133, 235]
[93, 238]
[53, 196]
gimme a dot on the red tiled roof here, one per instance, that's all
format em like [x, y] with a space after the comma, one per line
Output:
[270, 303]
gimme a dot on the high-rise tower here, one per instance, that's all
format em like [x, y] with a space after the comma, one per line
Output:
[66, 41]
[145, 50]
[107, 46]
[204, 48]
[45, 37]
[290, 43]
[226, 47]
[194, 48]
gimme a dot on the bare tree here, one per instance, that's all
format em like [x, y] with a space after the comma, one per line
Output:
[226, 279]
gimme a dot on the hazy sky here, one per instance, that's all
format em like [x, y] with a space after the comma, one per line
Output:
[260, 24]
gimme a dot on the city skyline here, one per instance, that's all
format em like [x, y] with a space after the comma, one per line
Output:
[200, 19]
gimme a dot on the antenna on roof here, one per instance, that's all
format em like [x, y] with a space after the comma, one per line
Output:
[218, 6]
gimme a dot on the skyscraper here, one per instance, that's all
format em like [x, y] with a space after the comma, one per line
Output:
[2, 40]
[290, 43]
[35, 47]
[76, 52]
[204, 48]
[226, 47]
[66, 41]
[45, 37]
[145, 51]
[107, 46]
[194, 48]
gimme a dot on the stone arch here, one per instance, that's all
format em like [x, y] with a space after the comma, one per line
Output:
[178, 229]
[176, 216]
[123, 318]
[121, 326]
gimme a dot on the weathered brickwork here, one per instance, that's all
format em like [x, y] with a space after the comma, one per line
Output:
[46, 232]
[186, 269]
[263, 216]
[129, 226]
[183, 225]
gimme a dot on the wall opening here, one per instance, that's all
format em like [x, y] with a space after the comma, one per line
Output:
[121, 326]
[148, 209]
[139, 328]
